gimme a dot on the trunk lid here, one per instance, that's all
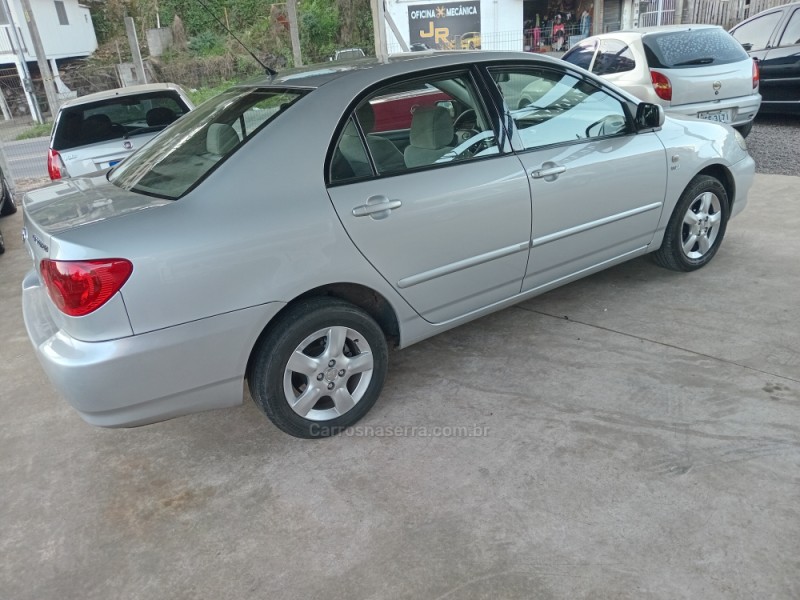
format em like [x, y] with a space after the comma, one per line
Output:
[99, 156]
[710, 83]
[71, 203]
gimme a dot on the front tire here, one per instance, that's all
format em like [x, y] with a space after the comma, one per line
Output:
[696, 227]
[320, 369]
[7, 206]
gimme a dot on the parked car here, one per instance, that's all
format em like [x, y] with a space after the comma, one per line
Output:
[348, 54]
[691, 70]
[150, 298]
[471, 41]
[97, 131]
[7, 206]
[772, 37]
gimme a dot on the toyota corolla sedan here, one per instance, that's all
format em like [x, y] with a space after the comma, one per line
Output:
[275, 235]
[691, 70]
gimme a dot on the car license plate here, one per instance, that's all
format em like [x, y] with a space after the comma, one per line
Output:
[720, 116]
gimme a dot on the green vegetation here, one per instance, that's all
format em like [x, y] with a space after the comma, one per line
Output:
[200, 95]
[36, 131]
[324, 25]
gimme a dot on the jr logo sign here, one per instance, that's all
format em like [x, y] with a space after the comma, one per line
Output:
[438, 25]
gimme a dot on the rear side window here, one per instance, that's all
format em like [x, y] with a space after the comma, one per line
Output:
[692, 48]
[791, 36]
[116, 118]
[178, 159]
[755, 34]
[614, 57]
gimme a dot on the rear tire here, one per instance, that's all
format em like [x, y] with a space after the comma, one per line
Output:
[7, 206]
[745, 129]
[696, 227]
[320, 369]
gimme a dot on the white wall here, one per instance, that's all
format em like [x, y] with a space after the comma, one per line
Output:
[501, 23]
[59, 41]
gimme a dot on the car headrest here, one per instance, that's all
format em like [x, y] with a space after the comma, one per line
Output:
[431, 128]
[160, 115]
[221, 139]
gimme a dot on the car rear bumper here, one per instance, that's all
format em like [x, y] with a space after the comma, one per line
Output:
[743, 108]
[150, 377]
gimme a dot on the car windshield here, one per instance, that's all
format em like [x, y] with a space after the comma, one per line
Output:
[185, 153]
[116, 118]
[692, 48]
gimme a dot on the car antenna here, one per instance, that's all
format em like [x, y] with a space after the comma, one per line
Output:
[271, 72]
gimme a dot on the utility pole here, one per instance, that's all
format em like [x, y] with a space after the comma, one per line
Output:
[394, 28]
[41, 59]
[379, 29]
[22, 65]
[294, 33]
[133, 40]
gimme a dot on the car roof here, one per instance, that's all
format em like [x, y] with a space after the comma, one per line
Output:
[632, 34]
[131, 90]
[314, 76]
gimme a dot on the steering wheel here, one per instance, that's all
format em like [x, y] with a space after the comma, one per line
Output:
[465, 126]
[470, 147]
[459, 122]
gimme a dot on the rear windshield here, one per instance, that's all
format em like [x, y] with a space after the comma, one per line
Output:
[581, 55]
[116, 118]
[692, 48]
[182, 156]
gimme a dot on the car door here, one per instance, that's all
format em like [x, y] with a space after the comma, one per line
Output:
[447, 223]
[757, 36]
[597, 187]
[780, 67]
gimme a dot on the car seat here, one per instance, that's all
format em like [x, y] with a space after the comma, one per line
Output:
[385, 154]
[221, 139]
[160, 115]
[431, 135]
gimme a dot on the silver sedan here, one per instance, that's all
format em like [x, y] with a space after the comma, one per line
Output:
[287, 231]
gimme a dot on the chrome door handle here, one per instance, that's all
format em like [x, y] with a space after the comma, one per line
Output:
[548, 173]
[377, 207]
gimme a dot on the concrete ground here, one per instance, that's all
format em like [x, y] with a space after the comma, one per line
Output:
[639, 438]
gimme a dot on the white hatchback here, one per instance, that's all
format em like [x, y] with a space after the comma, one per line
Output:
[691, 70]
[95, 132]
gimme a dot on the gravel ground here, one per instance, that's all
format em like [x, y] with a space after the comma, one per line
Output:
[774, 143]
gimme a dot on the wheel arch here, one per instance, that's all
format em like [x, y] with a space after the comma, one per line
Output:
[369, 300]
[724, 176]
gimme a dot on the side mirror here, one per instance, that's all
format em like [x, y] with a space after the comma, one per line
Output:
[747, 46]
[649, 116]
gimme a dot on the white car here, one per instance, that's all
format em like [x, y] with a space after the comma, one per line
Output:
[691, 70]
[95, 132]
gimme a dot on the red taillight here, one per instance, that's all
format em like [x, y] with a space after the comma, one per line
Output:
[661, 85]
[55, 166]
[80, 287]
[756, 74]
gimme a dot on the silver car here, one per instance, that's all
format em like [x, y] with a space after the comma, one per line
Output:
[289, 230]
[691, 70]
[97, 131]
